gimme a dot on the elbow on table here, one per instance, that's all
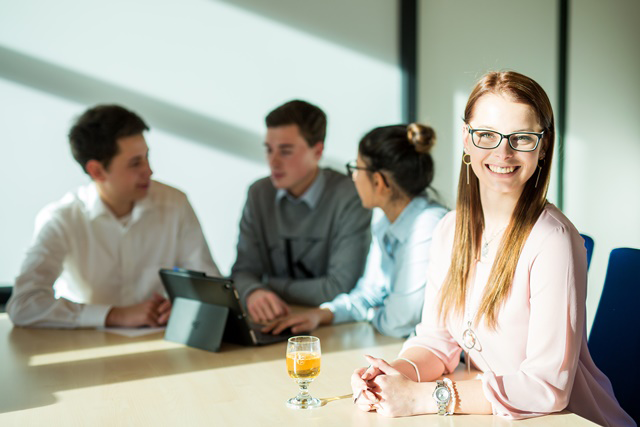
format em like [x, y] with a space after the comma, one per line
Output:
[24, 312]
[517, 400]
[18, 317]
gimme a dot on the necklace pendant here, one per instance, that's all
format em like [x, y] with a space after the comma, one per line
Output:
[485, 249]
[469, 338]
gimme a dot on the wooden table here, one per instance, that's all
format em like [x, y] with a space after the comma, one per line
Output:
[94, 378]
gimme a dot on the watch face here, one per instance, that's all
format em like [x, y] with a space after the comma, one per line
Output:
[442, 394]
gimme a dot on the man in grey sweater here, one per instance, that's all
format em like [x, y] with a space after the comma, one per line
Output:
[304, 234]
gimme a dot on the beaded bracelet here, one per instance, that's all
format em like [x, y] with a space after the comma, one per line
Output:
[454, 395]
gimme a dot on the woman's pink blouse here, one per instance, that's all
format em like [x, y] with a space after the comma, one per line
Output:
[536, 361]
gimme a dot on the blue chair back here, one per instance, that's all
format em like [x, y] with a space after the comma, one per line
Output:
[614, 341]
[588, 243]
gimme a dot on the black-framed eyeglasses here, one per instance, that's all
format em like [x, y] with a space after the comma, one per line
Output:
[519, 141]
[353, 166]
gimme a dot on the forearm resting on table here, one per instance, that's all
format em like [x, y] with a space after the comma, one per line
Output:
[428, 364]
[470, 395]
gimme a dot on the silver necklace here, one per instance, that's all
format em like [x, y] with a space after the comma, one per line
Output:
[470, 339]
[486, 242]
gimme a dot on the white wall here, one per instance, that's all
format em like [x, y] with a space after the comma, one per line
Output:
[202, 73]
[602, 165]
[461, 40]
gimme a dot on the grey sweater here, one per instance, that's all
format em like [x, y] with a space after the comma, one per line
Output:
[307, 253]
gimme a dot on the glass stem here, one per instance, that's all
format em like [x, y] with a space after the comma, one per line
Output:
[303, 393]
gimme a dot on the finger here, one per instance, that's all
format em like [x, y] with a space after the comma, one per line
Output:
[365, 373]
[290, 322]
[267, 312]
[357, 385]
[286, 308]
[364, 407]
[164, 317]
[380, 364]
[373, 385]
[370, 396]
[262, 314]
[269, 327]
[356, 381]
[370, 372]
[304, 326]
[164, 307]
[157, 298]
[364, 397]
[151, 320]
[276, 306]
[257, 312]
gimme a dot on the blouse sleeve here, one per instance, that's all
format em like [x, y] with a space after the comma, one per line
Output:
[544, 380]
[431, 334]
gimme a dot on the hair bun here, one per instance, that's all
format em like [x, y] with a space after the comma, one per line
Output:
[422, 137]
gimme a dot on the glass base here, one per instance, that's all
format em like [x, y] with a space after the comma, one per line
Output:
[303, 403]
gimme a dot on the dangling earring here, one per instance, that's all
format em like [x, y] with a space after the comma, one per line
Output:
[539, 170]
[466, 163]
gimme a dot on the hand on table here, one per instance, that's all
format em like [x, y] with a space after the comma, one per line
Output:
[265, 306]
[387, 391]
[153, 312]
[364, 389]
[301, 322]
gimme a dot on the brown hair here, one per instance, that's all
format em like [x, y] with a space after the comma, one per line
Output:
[404, 153]
[469, 214]
[311, 120]
[95, 134]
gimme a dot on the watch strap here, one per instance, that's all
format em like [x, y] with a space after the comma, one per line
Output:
[442, 405]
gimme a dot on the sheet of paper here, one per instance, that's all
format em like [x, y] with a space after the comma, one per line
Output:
[133, 332]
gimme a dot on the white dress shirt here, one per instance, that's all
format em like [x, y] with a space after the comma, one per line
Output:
[104, 261]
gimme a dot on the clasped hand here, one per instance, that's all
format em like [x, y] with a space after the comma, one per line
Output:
[386, 390]
[153, 312]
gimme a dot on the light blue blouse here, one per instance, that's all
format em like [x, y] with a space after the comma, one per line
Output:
[390, 294]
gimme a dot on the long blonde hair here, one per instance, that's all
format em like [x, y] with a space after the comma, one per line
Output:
[469, 214]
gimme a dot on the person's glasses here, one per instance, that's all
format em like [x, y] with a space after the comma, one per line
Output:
[519, 141]
[353, 166]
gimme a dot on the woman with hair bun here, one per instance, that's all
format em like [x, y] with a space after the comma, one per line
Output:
[507, 283]
[393, 172]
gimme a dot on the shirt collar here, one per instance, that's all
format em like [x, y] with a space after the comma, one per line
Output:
[97, 208]
[310, 197]
[400, 229]
[95, 205]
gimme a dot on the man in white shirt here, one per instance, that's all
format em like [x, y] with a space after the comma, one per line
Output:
[108, 239]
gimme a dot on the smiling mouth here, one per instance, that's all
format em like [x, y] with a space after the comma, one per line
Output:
[503, 170]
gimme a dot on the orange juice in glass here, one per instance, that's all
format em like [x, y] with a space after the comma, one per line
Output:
[303, 365]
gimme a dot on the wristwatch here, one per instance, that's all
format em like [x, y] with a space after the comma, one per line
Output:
[442, 396]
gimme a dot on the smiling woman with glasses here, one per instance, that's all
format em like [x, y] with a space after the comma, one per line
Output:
[506, 283]
[393, 171]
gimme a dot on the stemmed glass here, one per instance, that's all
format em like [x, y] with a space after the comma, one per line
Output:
[303, 365]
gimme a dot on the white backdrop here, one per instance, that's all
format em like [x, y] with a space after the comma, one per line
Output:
[202, 73]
